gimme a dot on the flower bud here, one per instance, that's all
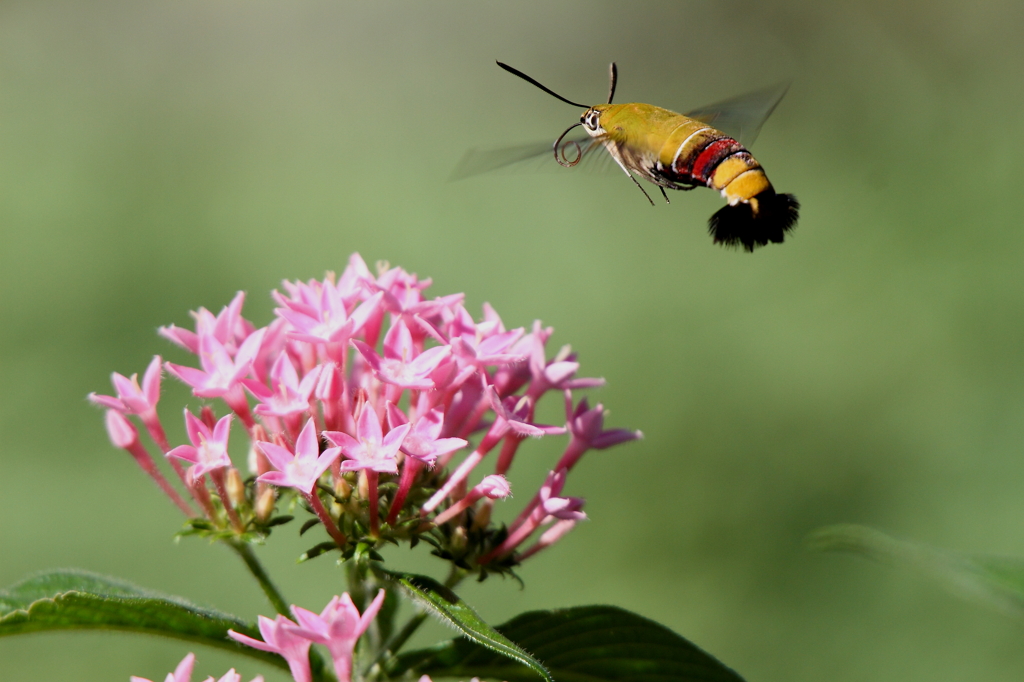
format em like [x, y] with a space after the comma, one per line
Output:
[459, 539]
[265, 504]
[342, 487]
[256, 460]
[483, 514]
[236, 488]
[121, 431]
[208, 417]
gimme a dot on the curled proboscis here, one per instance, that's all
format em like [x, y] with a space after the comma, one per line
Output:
[559, 149]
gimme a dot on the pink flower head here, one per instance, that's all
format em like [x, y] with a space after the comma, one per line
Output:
[339, 626]
[370, 449]
[371, 362]
[183, 673]
[300, 470]
[280, 637]
[209, 450]
[131, 399]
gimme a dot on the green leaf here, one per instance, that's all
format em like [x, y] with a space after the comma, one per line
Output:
[316, 550]
[579, 644]
[79, 600]
[992, 581]
[450, 608]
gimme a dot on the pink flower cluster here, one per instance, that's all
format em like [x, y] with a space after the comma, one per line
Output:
[362, 392]
[338, 627]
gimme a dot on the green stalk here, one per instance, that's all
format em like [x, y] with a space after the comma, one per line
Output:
[277, 600]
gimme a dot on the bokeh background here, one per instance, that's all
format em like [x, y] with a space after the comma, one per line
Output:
[156, 157]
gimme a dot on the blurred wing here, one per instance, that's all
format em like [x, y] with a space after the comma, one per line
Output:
[742, 117]
[477, 161]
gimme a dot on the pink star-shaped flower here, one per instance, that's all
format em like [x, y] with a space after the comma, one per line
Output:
[280, 637]
[516, 412]
[588, 425]
[220, 373]
[371, 449]
[131, 399]
[300, 470]
[209, 450]
[228, 327]
[289, 396]
[587, 428]
[488, 351]
[325, 319]
[401, 365]
[423, 442]
[339, 626]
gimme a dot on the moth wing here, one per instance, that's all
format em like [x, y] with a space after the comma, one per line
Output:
[742, 117]
[477, 161]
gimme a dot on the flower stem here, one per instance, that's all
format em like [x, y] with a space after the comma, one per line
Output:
[371, 481]
[222, 491]
[244, 550]
[277, 600]
[410, 468]
[329, 525]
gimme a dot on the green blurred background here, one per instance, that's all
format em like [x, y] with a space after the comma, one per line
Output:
[157, 157]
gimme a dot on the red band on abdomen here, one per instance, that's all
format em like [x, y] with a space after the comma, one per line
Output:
[711, 156]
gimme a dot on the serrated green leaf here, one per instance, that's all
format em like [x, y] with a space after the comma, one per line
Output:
[449, 607]
[79, 600]
[992, 581]
[579, 644]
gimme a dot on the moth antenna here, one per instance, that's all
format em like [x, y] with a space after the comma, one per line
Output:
[517, 72]
[613, 77]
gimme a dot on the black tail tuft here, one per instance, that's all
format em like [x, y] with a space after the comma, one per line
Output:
[776, 215]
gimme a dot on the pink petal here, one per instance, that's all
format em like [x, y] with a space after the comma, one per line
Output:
[307, 445]
[151, 381]
[280, 457]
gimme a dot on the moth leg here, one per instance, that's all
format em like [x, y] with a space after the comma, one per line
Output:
[664, 195]
[641, 188]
